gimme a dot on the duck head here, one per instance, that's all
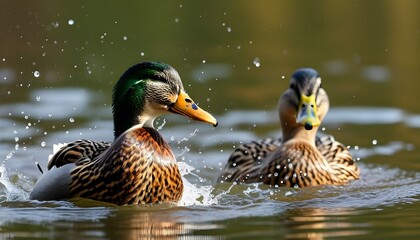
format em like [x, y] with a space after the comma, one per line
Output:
[148, 90]
[303, 106]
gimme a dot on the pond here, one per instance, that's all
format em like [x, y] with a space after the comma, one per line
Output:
[60, 60]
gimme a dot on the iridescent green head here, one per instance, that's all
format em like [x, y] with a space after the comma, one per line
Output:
[147, 90]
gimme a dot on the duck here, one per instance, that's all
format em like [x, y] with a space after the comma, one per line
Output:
[138, 166]
[300, 157]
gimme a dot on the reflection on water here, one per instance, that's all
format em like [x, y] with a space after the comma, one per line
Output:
[310, 223]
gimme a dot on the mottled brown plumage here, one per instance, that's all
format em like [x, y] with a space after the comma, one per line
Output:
[299, 158]
[138, 168]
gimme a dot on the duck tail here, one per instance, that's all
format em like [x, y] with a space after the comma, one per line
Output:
[39, 167]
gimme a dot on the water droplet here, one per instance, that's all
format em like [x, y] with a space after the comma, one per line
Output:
[283, 77]
[10, 155]
[229, 29]
[16, 139]
[204, 61]
[374, 142]
[176, 20]
[37, 74]
[142, 54]
[356, 147]
[125, 38]
[38, 98]
[43, 144]
[256, 62]
[71, 119]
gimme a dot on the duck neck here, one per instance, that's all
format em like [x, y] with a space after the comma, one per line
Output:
[137, 117]
[130, 113]
[298, 132]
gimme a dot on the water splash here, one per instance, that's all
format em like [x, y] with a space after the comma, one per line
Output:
[194, 195]
[37, 74]
[8, 190]
[256, 62]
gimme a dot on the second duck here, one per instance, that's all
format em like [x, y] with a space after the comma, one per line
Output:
[299, 158]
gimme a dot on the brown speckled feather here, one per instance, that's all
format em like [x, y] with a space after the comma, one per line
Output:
[293, 164]
[138, 168]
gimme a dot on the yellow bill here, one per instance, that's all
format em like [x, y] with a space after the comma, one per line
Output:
[307, 115]
[184, 105]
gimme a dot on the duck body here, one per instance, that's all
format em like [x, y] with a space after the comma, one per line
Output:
[138, 167]
[301, 158]
[291, 165]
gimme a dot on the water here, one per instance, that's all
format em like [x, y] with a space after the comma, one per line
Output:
[235, 60]
[207, 207]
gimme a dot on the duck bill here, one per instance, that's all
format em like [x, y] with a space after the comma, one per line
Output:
[184, 105]
[307, 115]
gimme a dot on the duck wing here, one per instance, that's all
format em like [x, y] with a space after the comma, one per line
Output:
[77, 150]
